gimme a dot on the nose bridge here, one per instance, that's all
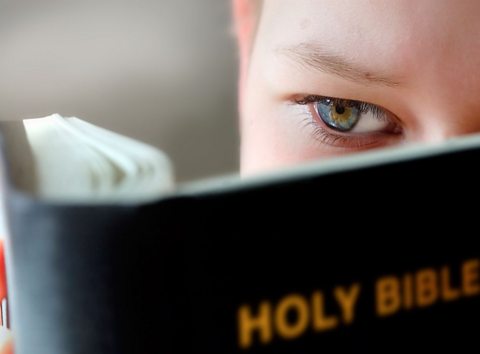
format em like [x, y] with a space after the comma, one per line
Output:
[445, 106]
[442, 126]
[444, 88]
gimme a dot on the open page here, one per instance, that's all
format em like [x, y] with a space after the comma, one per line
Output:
[67, 159]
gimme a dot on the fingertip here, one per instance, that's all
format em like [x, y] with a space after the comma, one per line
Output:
[6, 341]
[3, 277]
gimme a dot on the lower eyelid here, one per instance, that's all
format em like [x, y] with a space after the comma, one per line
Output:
[355, 142]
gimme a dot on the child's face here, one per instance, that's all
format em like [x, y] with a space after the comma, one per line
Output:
[406, 71]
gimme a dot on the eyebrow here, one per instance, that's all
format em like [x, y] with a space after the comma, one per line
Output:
[314, 57]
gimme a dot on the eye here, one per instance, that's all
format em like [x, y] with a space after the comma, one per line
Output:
[351, 116]
[338, 114]
[349, 123]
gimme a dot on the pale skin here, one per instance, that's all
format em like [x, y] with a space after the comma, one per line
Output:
[413, 63]
[415, 60]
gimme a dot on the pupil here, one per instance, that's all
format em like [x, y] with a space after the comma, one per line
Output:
[340, 109]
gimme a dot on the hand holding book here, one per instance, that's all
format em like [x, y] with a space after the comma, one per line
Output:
[6, 343]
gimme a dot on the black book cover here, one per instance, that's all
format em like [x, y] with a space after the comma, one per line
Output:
[379, 258]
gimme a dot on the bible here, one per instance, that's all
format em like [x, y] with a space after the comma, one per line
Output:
[370, 252]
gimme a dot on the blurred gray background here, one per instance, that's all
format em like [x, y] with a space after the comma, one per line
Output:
[162, 71]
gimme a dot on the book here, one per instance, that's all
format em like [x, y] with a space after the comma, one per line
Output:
[371, 252]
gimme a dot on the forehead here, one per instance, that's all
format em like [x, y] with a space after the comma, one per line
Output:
[411, 38]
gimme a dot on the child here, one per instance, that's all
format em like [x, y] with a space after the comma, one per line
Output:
[320, 78]
[323, 78]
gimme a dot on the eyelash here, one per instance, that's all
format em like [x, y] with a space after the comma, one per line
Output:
[363, 107]
[327, 136]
